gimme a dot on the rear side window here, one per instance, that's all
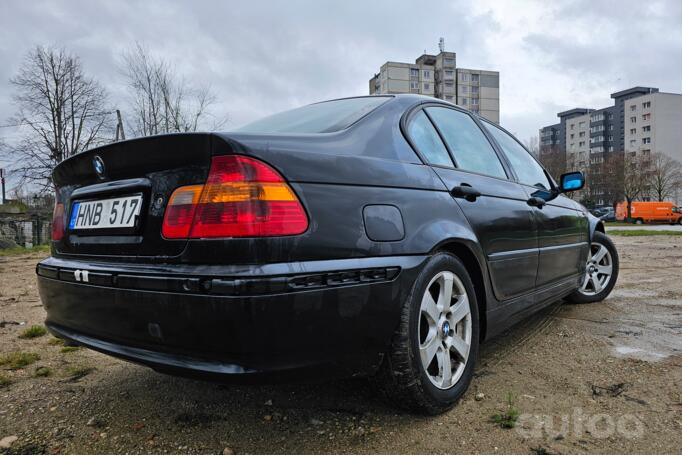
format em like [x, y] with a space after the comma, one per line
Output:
[326, 117]
[425, 137]
[527, 169]
[469, 146]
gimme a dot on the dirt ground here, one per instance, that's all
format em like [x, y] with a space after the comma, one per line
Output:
[600, 378]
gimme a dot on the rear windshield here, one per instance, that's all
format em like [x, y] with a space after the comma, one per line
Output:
[325, 117]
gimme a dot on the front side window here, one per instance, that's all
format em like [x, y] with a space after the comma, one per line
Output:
[468, 144]
[527, 169]
[425, 137]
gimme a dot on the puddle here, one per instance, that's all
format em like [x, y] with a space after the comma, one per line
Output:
[637, 353]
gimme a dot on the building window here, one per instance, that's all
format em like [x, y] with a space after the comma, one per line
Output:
[610, 117]
[646, 105]
[611, 148]
[450, 74]
[414, 85]
[646, 117]
[646, 128]
[465, 101]
[464, 89]
[572, 125]
[474, 78]
[427, 86]
[449, 62]
[581, 125]
[633, 107]
[572, 134]
[427, 74]
[582, 134]
[474, 90]
[610, 127]
[448, 97]
[610, 138]
[474, 101]
[633, 142]
[646, 140]
[633, 130]
[633, 119]
[581, 144]
[414, 72]
[449, 84]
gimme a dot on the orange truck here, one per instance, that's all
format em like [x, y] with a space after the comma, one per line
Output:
[649, 212]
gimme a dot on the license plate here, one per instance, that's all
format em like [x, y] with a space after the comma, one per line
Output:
[120, 212]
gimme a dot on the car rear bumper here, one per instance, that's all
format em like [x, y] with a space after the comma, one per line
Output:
[325, 317]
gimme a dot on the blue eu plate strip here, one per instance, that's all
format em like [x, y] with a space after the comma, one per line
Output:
[74, 214]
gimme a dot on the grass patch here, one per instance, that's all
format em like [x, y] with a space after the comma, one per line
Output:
[640, 232]
[34, 331]
[4, 381]
[21, 250]
[66, 349]
[17, 360]
[76, 372]
[508, 418]
[56, 342]
[42, 372]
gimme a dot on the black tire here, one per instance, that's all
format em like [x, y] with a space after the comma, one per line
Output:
[579, 297]
[679, 221]
[402, 379]
[639, 221]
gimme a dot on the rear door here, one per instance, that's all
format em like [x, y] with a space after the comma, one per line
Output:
[459, 151]
[562, 227]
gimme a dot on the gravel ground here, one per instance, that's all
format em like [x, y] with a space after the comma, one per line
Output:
[603, 378]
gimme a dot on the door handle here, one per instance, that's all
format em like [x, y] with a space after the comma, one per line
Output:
[536, 202]
[465, 191]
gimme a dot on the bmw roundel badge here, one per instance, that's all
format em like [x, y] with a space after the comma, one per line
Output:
[98, 164]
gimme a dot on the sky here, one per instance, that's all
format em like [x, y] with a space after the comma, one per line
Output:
[263, 57]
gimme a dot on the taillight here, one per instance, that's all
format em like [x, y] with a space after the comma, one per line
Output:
[58, 221]
[242, 197]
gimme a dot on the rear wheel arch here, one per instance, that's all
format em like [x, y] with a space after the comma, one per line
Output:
[473, 267]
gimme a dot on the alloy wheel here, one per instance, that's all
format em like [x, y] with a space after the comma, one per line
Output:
[444, 330]
[598, 271]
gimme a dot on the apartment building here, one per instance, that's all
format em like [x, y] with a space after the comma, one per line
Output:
[438, 76]
[642, 120]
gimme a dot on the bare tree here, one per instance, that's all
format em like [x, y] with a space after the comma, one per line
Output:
[665, 176]
[61, 112]
[635, 170]
[533, 146]
[554, 160]
[162, 102]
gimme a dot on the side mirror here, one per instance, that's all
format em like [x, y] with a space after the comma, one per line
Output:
[572, 181]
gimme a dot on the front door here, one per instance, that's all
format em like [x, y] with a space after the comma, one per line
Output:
[561, 226]
[500, 216]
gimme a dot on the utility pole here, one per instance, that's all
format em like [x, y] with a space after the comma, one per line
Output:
[2, 181]
[120, 134]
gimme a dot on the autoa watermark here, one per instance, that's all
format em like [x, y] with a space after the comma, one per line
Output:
[598, 426]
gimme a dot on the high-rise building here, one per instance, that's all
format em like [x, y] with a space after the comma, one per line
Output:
[438, 76]
[642, 120]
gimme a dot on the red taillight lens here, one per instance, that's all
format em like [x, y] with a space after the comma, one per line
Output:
[58, 221]
[242, 197]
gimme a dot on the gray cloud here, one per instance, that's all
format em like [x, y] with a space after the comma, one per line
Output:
[261, 57]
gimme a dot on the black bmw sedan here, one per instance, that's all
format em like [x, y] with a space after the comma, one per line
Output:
[382, 236]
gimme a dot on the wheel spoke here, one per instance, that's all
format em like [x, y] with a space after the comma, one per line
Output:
[585, 282]
[599, 255]
[445, 366]
[459, 310]
[605, 269]
[459, 346]
[429, 349]
[445, 294]
[429, 308]
[596, 283]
